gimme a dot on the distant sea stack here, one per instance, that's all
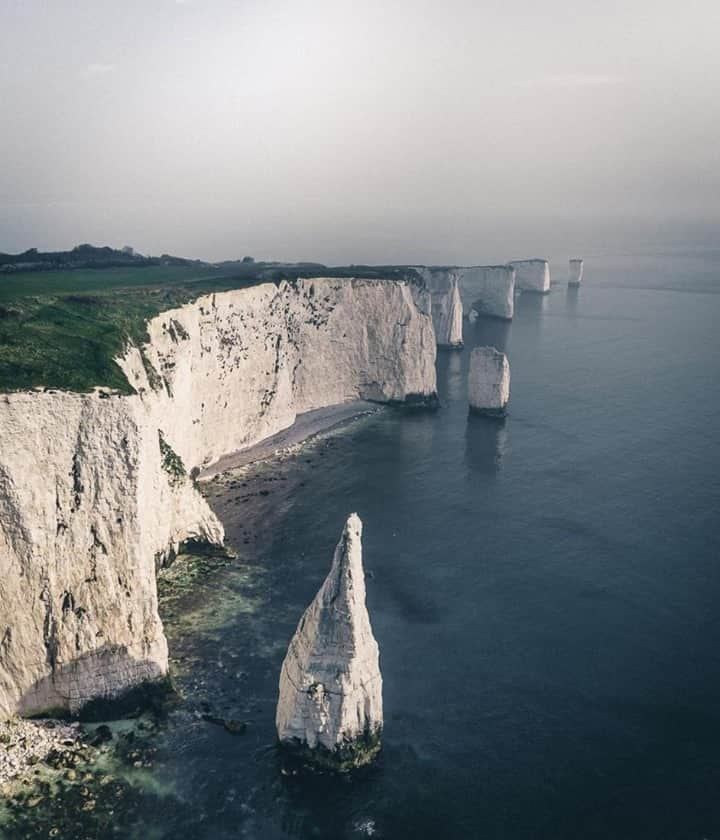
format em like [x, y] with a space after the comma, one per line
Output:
[488, 382]
[488, 290]
[454, 317]
[532, 275]
[329, 713]
[446, 305]
[576, 273]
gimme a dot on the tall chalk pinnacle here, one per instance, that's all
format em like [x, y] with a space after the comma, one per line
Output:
[330, 705]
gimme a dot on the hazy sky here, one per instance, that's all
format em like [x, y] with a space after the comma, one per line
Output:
[358, 131]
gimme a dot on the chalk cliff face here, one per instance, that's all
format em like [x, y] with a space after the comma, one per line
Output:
[488, 381]
[488, 290]
[86, 506]
[446, 305]
[473, 290]
[237, 367]
[330, 703]
[576, 273]
[95, 488]
[532, 275]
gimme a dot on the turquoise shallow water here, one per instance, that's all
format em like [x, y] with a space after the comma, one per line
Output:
[544, 592]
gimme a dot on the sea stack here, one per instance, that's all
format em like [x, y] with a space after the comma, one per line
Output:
[446, 305]
[532, 275]
[576, 273]
[488, 382]
[454, 317]
[330, 708]
[489, 290]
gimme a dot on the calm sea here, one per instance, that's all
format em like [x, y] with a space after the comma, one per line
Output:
[545, 592]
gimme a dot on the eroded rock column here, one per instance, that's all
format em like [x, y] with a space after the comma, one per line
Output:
[488, 290]
[488, 382]
[576, 273]
[532, 275]
[330, 708]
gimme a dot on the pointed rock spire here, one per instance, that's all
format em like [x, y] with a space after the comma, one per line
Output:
[455, 316]
[330, 706]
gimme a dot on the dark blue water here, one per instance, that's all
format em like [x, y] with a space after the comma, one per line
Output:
[545, 593]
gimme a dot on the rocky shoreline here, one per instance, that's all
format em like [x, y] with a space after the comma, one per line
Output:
[25, 743]
[136, 777]
[73, 780]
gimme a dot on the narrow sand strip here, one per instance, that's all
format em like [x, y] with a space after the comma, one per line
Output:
[306, 425]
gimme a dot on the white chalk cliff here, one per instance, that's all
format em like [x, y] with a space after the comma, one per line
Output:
[488, 381]
[446, 305]
[85, 507]
[470, 290]
[488, 290]
[576, 273]
[95, 488]
[532, 275]
[330, 703]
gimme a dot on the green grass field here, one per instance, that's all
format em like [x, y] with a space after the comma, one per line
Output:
[62, 329]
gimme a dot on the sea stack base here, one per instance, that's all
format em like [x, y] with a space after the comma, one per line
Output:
[415, 402]
[349, 755]
[488, 413]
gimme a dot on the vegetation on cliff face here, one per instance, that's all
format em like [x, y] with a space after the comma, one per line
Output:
[63, 329]
[171, 461]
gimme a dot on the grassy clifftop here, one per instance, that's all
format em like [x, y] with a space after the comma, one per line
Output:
[62, 329]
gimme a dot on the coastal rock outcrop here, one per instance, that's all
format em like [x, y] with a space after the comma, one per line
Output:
[488, 381]
[330, 704]
[488, 290]
[89, 503]
[446, 305]
[576, 273]
[532, 275]
[96, 490]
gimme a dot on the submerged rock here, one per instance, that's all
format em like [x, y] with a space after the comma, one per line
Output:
[576, 273]
[330, 706]
[23, 743]
[488, 381]
[532, 275]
